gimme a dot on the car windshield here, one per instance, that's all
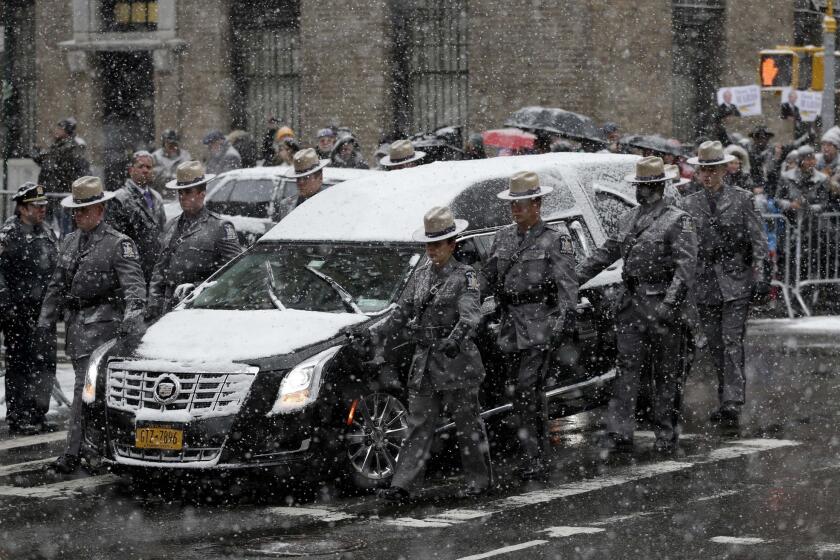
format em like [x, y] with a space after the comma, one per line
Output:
[312, 277]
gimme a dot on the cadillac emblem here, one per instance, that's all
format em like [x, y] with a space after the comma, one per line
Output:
[166, 389]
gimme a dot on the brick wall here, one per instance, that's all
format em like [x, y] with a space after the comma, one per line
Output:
[344, 66]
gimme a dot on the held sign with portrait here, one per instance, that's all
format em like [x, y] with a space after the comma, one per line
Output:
[746, 98]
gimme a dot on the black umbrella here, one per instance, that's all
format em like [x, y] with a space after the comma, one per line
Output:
[556, 121]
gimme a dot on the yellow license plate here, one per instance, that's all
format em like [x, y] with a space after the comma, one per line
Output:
[159, 438]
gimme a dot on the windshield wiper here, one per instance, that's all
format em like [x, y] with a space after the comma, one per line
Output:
[271, 287]
[345, 296]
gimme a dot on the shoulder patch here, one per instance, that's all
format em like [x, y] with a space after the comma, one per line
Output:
[687, 224]
[566, 246]
[472, 280]
[230, 231]
[128, 249]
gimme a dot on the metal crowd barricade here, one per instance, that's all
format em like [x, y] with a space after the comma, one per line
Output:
[807, 257]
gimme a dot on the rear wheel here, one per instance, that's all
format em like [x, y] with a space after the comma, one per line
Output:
[378, 424]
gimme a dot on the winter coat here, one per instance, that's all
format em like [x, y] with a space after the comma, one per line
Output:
[227, 159]
[165, 166]
[354, 161]
[28, 255]
[533, 279]
[190, 253]
[99, 284]
[128, 213]
[291, 202]
[812, 193]
[438, 305]
[61, 164]
[731, 244]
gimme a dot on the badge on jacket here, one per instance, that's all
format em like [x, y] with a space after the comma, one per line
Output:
[566, 247]
[128, 250]
[472, 280]
[230, 232]
[687, 224]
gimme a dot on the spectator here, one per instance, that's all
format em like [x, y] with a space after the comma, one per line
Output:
[268, 139]
[474, 147]
[738, 170]
[61, 164]
[221, 156]
[286, 150]
[827, 159]
[612, 135]
[168, 157]
[326, 141]
[347, 154]
[244, 143]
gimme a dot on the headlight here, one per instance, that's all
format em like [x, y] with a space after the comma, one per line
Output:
[300, 386]
[89, 392]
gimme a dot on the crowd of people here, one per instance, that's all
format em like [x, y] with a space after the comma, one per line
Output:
[697, 263]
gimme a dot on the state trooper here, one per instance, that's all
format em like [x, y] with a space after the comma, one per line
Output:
[401, 155]
[659, 247]
[28, 255]
[530, 272]
[307, 172]
[194, 244]
[732, 248]
[440, 308]
[137, 211]
[98, 285]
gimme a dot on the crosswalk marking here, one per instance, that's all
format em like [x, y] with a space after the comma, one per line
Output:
[738, 540]
[14, 443]
[7, 470]
[59, 490]
[327, 515]
[504, 550]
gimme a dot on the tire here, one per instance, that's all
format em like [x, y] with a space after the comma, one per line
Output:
[373, 440]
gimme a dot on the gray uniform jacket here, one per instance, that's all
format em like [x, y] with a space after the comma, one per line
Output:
[449, 307]
[731, 245]
[533, 279]
[191, 252]
[128, 213]
[291, 202]
[99, 285]
[227, 159]
[659, 248]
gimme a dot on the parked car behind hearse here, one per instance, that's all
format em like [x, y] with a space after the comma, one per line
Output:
[250, 370]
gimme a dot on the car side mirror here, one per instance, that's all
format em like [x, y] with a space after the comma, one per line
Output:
[182, 291]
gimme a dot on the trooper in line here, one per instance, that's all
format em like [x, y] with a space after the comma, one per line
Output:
[28, 255]
[531, 273]
[194, 244]
[401, 155]
[440, 309]
[732, 248]
[659, 247]
[99, 285]
[137, 211]
[307, 170]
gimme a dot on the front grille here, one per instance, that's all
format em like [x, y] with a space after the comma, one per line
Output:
[186, 455]
[130, 387]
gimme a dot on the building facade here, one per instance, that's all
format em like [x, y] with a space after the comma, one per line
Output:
[128, 69]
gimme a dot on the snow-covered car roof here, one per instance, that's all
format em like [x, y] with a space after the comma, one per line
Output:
[331, 174]
[390, 206]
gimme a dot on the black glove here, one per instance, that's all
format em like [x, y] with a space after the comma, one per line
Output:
[153, 312]
[564, 330]
[761, 292]
[132, 326]
[361, 340]
[666, 313]
[450, 348]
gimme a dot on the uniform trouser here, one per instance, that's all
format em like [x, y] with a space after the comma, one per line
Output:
[425, 406]
[526, 374]
[74, 428]
[725, 325]
[641, 342]
[30, 371]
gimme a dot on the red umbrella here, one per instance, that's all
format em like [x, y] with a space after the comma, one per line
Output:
[510, 138]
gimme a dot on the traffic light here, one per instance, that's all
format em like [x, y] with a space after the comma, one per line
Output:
[778, 69]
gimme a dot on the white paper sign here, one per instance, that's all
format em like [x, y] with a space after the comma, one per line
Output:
[746, 98]
[809, 102]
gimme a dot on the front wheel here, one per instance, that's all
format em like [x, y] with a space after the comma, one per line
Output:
[378, 424]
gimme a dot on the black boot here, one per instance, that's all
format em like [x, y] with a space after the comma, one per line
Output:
[615, 442]
[66, 464]
[394, 494]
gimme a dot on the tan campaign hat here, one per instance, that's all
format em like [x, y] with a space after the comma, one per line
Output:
[650, 169]
[190, 174]
[400, 153]
[30, 193]
[439, 224]
[711, 153]
[673, 171]
[524, 185]
[306, 162]
[86, 191]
